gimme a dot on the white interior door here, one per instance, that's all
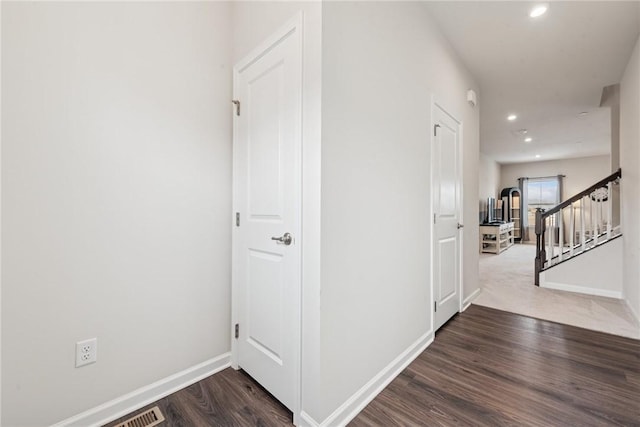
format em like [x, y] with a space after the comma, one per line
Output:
[446, 170]
[267, 199]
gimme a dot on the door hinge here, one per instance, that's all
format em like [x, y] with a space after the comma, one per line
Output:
[237, 219]
[435, 128]
[237, 330]
[434, 218]
[237, 104]
[435, 308]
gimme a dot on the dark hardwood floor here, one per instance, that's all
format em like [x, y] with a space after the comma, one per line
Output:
[228, 398]
[485, 368]
[492, 368]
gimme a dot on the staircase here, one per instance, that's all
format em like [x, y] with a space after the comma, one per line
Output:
[577, 225]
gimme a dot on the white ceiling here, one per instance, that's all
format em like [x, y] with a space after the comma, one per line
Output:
[545, 70]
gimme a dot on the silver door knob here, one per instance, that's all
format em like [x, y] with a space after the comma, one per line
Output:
[460, 226]
[286, 238]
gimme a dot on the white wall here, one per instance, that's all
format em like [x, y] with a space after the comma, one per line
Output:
[116, 154]
[116, 191]
[252, 23]
[488, 182]
[630, 183]
[580, 172]
[611, 98]
[381, 64]
[579, 274]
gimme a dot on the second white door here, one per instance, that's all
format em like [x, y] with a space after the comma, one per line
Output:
[267, 199]
[446, 188]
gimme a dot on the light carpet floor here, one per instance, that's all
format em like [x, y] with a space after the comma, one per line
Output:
[506, 281]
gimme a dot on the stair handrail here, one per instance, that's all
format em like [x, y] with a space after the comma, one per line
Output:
[541, 215]
[602, 183]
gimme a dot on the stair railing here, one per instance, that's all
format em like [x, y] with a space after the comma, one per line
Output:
[590, 220]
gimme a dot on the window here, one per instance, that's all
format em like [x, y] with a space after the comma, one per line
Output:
[541, 193]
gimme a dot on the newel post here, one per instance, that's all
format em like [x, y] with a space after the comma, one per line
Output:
[541, 255]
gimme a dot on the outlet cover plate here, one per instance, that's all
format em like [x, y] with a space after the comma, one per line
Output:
[86, 352]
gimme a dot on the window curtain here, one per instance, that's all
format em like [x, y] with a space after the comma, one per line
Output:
[560, 198]
[524, 212]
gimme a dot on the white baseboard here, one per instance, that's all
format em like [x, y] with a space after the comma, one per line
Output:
[579, 289]
[361, 398]
[634, 313]
[307, 420]
[143, 396]
[468, 300]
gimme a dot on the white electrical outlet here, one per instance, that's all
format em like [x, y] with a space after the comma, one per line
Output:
[86, 352]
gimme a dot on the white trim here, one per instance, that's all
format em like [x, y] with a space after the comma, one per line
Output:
[431, 214]
[307, 420]
[468, 300]
[461, 308]
[310, 343]
[143, 396]
[636, 316]
[0, 227]
[578, 289]
[361, 398]
[293, 25]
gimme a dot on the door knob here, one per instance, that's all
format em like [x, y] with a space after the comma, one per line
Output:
[286, 238]
[460, 226]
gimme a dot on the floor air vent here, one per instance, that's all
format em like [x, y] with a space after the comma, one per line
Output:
[148, 418]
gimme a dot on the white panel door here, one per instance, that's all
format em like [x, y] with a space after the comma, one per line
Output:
[267, 171]
[446, 172]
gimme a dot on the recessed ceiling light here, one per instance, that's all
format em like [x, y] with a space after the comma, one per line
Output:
[523, 132]
[582, 114]
[537, 156]
[539, 10]
[528, 139]
[511, 117]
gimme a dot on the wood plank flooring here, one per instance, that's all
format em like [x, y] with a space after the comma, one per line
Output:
[492, 368]
[228, 398]
[485, 368]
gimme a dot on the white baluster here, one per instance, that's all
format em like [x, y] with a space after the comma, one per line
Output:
[594, 223]
[572, 229]
[551, 233]
[561, 235]
[582, 209]
[609, 208]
